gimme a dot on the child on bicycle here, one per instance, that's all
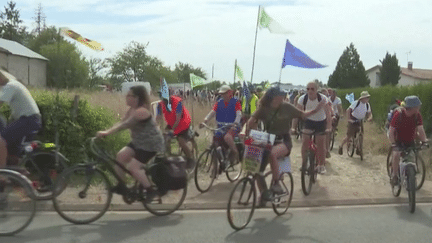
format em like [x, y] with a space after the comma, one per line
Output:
[277, 116]
[146, 137]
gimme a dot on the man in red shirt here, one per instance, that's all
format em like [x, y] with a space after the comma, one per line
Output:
[178, 123]
[404, 126]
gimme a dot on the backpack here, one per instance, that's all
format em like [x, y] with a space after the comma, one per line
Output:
[169, 173]
[305, 100]
[358, 103]
[390, 115]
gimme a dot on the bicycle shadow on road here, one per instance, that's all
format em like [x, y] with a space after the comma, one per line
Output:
[419, 216]
[262, 230]
[103, 231]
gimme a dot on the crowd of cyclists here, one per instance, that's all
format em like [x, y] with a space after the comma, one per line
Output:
[279, 111]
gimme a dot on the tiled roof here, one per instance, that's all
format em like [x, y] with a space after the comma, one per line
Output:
[418, 73]
[15, 48]
[425, 74]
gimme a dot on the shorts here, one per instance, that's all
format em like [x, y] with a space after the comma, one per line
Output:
[186, 134]
[402, 145]
[316, 126]
[141, 155]
[285, 139]
[353, 128]
[220, 134]
[13, 133]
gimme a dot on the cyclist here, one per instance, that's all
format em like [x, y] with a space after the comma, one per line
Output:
[178, 122]
[406, 123]
[329, 103]
[319, 122]
[228, 113]
[25, 116]
[359, 110]
[146, 137]
[276, 115]
[249, 106]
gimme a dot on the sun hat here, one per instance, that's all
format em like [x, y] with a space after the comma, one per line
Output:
[412, 101]
[364, 94]
[223, 89]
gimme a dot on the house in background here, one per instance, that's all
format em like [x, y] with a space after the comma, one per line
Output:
[27, 66]
[408, 76]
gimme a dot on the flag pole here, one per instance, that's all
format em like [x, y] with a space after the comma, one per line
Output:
[235, 70]
[256, 33]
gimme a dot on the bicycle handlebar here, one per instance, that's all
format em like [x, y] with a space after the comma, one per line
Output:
[217, 129]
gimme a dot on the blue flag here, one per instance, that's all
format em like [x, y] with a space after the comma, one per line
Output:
[295, 57]
[246, 94]
[165, 92]
[350, 97]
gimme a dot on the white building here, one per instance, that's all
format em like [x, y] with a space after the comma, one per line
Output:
[27, 66]
[408, 76]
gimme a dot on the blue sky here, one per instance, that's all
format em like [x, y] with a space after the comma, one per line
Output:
[204, 32]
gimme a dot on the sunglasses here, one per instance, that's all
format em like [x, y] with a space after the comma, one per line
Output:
[310, 88]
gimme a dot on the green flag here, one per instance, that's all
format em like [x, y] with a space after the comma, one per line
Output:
[267, 22]
[197, 80]
[239, 73]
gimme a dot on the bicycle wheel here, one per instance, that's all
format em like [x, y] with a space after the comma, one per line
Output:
[420, 171]
[85, 189]
[282, 202]
[308, 173]
[17, 203]
[360, 146]
[168, 203]
[332, 139]
[389, 162]
[351, 146]
[411, 186]
[206, 170]
[234, 171]
[241, 203]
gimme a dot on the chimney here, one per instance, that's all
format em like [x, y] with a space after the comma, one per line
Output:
[410, 66]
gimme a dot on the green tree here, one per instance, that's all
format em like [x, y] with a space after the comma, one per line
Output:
[10, 25]
[66, 67]
[183, 70]
[349, 71]
[134, 64]
[96, 66]
[47, 36]
[390, 70]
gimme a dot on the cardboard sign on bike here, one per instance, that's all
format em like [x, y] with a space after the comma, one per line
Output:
[255, 150]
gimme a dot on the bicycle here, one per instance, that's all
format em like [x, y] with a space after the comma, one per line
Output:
[191, 143]
[214, 160]
[88, 185]
[407, 174]
[17, 202]
[243, 198]
[333, 132]
[419, 165]
[309, 172]
[355, 143]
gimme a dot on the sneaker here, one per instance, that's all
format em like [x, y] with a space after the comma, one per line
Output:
[277, 188]
[357, 151]
[340, 150]
[323, 170]
[119, 189]
[328, 154]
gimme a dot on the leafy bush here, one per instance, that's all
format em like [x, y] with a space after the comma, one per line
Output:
[73, 133]
[382, 97]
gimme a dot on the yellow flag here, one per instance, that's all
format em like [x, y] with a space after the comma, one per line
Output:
[87, 42]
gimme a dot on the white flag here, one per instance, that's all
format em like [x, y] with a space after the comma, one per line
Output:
[268, 22]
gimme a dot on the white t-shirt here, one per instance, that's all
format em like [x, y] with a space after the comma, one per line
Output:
[360, 111]
[335, 104]
[19, 99]
[311, 105]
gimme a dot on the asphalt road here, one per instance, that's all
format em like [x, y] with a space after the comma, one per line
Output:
[383, 223]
